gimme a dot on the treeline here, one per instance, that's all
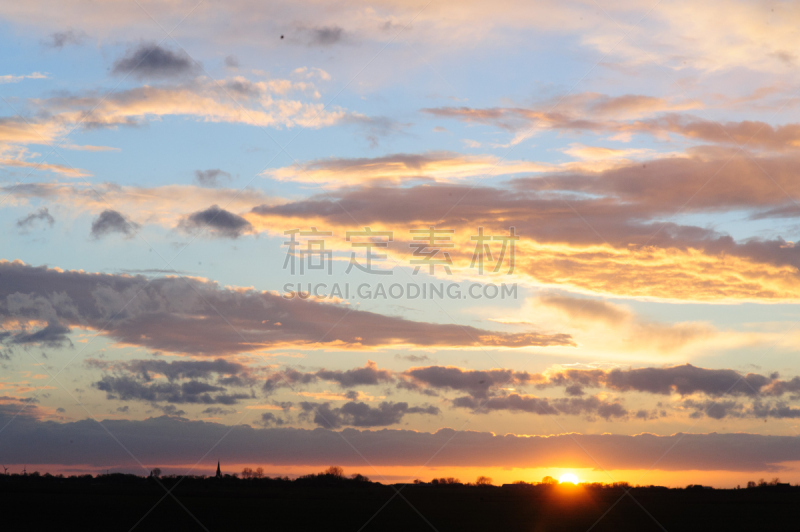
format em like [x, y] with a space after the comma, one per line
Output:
[335, 476]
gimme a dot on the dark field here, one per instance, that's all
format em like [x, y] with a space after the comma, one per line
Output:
[118, 502]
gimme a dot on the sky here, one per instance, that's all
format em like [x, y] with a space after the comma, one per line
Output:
[413, 239]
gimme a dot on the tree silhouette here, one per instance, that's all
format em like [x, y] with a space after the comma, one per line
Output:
[334, 471]
[483, 481]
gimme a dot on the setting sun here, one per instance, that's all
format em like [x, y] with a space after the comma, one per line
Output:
[568, 478]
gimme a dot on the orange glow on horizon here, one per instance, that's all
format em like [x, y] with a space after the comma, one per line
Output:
[407, 474]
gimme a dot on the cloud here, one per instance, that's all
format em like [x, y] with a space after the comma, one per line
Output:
[683, 380]
[187, 381]
[111, 221]
[400, 167]
[229, 372]
[601, 233]
[718, 38]
[15, 79]
[591, 407]
[622, 117]
[151, 61]
[412, 357]
[18, 131]
[583, 112]
[163, 205]
[634, 331]
[495, 388]
[326, 35]
[50, 313]
[41, 214]
[780, 410]
[586, 309]
[750, 134]
[725, 409]
[360, 414]
[778, 387]
[715, 409]
[194, 316]
[218, 411]
[268, 419]
[219, 222]
[264, 103]
[369, 375]
[52, 335]
[127, 388]
[166, 441]
[60, 39]
[212, 177]
[478, 383]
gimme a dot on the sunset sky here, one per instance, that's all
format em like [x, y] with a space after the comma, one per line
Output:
[157, 158]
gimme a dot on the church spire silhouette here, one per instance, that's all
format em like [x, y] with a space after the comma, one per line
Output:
[219, 474]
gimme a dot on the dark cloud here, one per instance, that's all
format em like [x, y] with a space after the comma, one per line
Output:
[479, 383]
[153, 61]
[211, 177]
[715, 409]
[780, 410]
[231, 61]
[358, 414]
[61, 39]
[591, 407]
[412, 357]
[30, 310]
[187, 381]
[217, 411]
[369, 375]
[169, 441]
[226, 371]
[268, 419]
[111, 221]
[366, 376]
[685, 380]
[218, 221]
[326, 35]
[375, 127]
[128, 388]
[41, 214]
[187, 315]
[486, 389]
[171, 410]
[243, 87]
[779, 387]
[734, 409]
[53, 334]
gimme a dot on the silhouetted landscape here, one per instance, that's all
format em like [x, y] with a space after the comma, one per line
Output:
[330, 501]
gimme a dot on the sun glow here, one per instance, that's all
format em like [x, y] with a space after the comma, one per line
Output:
[568, 478]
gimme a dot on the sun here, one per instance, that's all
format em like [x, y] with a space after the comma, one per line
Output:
[568, 478]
